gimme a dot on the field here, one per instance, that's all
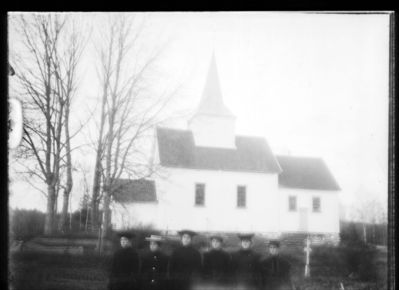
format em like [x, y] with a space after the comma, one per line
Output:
[330, 267]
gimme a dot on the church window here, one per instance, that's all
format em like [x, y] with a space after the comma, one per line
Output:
[292, 203]
[316, 204]
[241, 196]
[200, 194]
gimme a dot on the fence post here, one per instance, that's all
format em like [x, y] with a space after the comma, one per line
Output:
[307, 250]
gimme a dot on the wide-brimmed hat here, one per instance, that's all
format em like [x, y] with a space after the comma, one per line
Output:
[246, 236]
[275, 243]
[125, 234]
[188, 232]
[216, 237]
[154, 238]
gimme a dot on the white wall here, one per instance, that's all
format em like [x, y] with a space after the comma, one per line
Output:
[135, 215]
[213, 131]
[325, 221]
[266, 211]
[176, 208]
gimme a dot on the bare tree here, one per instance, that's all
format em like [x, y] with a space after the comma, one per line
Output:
[65, 73]
[129, 109]
[100, 143]
[46, 67]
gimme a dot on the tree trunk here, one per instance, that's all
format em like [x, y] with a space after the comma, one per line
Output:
[364, 233]
[69, 181]
[87, 217]
[64, 213]
[107, 214]
[49, 219]
[95, 194]
[106, 221]
[97, 170]
[70, 214]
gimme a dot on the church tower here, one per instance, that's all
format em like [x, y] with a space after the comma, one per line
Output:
[213, 124]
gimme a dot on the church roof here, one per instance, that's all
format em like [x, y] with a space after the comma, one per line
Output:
[252, 154]
[305, 173]
[212, 100]
[134, 190]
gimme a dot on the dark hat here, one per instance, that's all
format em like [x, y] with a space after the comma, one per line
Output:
[245, 236]
[188, 232]
[154, 238]
[125, 234]
[216, 237]
[275, 243]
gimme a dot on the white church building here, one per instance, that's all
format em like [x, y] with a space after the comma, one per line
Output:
[212, 180]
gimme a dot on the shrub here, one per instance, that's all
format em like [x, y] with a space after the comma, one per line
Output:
[360, 259]
[326, 260]
[354, 259]
[26, 224]
[73, 235]
[354, 232]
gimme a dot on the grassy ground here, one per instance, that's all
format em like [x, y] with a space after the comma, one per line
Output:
[329, 267]
[32, 271]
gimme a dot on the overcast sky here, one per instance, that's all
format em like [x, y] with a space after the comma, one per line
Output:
[311, 84]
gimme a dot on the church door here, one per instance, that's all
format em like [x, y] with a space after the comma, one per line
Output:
[303, 219]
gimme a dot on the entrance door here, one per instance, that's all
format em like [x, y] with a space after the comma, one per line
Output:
[303, 219]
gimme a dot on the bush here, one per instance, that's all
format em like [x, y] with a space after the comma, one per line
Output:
[350, 232]
[354, 232]
[73, 235]
[328, 259]
[62, 260]
[360, 260]
[354, 259]
[26, 224]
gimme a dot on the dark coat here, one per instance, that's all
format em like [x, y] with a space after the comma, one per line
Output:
[153, 272]
[245, 269]
[216, 267]
[124, 269]
[275, 273]
[184, 267]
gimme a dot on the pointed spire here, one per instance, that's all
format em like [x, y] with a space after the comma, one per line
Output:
[212, 99]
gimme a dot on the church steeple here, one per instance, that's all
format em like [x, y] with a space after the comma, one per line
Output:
[213, 124]
[212, 99]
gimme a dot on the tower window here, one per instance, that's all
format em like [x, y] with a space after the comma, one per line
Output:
[200, 194]
[241, 196]
[292, 203]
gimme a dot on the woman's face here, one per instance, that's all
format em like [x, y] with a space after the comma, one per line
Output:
[186, 239]
[216, 244]
[273, 250]
[154, 246]
[125, 242]
[246, 244]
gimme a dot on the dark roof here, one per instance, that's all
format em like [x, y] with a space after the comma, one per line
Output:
[177, 149]
[305, 173]
[136, 190]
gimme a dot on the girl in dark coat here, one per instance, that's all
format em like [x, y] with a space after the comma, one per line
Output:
[245, 265]
[216, 266]
[276, 270]
[185, 263]
[154, 266]
[124, 266]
